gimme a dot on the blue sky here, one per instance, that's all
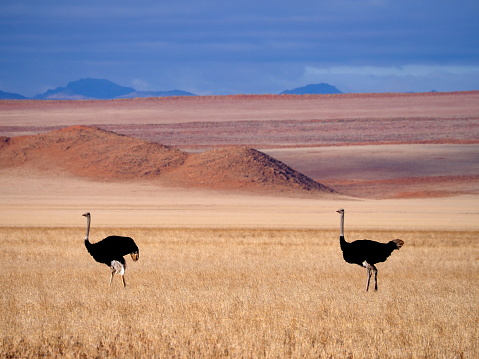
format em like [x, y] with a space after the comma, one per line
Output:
[221, 47]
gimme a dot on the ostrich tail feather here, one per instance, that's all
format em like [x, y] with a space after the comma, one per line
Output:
[399, 243]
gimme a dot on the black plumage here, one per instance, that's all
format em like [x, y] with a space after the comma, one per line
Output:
[111, 251]
[366, 253]
[111, 248]
[365, 250]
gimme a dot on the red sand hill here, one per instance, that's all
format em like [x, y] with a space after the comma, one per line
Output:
[98, 154]
[243, 167]
[90, 152]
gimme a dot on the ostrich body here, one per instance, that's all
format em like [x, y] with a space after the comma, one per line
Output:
[111, 250]
[366, 253]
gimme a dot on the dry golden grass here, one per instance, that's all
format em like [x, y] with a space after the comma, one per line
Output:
[239, 293]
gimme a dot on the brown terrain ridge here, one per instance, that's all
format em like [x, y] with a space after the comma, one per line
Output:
[94, 153]
[243, 168]
[91, 153]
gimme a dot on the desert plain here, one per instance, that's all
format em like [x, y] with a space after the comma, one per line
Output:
[399, 160]
[240, 269]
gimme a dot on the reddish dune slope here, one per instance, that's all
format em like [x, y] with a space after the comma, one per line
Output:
[90, 152]
[99, 154]
[243, 167]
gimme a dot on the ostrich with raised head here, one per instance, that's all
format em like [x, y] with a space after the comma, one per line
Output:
[111, 251]
[365, 252]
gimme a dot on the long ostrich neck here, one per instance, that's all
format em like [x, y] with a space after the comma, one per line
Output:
[341, 227]
[87, 228]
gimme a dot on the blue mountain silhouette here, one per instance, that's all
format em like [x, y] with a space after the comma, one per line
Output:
[87, 89]
[313, 89]
[11, 96]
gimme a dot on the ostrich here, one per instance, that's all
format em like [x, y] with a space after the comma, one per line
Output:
[366, 253]
[111, 251]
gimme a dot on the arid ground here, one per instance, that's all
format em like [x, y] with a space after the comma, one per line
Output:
[391, 156]
[237, 293]
[239, 255]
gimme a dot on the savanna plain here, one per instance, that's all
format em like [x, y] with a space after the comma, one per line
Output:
[250, 272]
[238, 293]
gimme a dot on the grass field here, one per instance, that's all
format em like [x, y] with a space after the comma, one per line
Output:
[239, 293]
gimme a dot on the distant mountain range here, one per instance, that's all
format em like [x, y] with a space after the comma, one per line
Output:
[98, 89]
[317, 89]
[11, 96]
[86, 89]
[93, 89]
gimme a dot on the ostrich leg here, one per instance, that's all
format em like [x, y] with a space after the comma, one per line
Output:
[370, 268]
[369, 278]
[375, 270]
[111, 278]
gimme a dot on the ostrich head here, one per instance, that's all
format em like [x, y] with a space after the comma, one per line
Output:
[340, 211]
[86, 214]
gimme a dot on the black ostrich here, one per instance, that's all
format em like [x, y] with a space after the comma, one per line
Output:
[111, 250]
[366, 253]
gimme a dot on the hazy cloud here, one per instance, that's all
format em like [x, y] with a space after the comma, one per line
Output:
[249, 46]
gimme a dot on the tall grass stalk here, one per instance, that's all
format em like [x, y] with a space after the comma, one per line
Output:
[238, 293]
